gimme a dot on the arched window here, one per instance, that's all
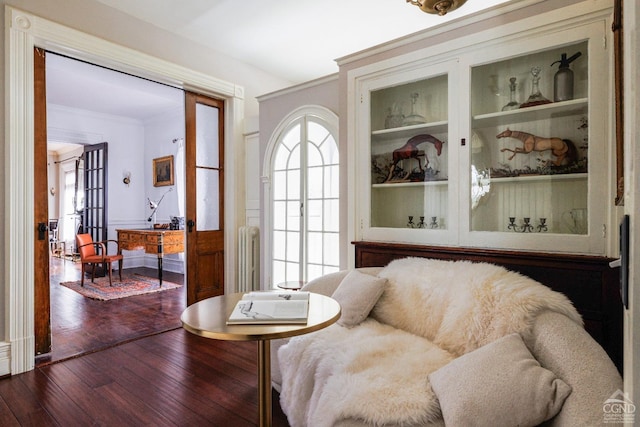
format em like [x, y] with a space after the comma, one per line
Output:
[305, 198]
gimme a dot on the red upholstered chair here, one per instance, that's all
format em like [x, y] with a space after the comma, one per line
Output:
[96, 253]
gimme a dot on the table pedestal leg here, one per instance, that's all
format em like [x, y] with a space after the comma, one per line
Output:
[264, 382]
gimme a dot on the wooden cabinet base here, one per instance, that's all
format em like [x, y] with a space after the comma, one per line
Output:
[587, 281]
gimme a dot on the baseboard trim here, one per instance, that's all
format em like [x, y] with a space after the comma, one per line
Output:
[5, 359]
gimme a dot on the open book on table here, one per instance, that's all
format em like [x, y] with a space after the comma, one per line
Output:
[270, 308]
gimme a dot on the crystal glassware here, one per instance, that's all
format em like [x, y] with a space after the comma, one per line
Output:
[536, 97]
[512, 104]
[413, 118]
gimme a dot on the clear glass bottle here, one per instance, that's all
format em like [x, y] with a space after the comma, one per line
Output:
[512, 104]
[414, 118]
[536, 97]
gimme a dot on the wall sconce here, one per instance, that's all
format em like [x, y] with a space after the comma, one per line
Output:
[441, 7]
[126, 178]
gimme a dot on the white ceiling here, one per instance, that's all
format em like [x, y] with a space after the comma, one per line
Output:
[294, 40]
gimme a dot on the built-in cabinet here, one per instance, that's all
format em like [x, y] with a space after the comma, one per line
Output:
[501, 143]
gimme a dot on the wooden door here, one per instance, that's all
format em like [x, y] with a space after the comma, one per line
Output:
[204, 165]
[42, 320]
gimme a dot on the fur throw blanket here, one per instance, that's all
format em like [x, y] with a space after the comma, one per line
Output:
[372, 372]
[461, 305]
[430, 312]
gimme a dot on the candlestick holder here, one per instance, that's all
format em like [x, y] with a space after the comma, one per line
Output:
[526, 226]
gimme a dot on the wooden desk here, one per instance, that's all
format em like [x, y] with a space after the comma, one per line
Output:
[153, 241]
[208, 318]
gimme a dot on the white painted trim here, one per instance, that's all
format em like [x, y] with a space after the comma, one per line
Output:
[24, 31]
[5, 358]
[631, 330]
[298, 88]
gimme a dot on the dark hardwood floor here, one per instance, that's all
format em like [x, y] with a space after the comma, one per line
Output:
[128, 362]
[169, 379]
[81, 325]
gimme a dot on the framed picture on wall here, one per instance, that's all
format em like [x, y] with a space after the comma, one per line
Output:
[163, 171]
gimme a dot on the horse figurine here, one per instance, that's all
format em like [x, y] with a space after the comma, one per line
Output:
[564, 150]
[410, 151]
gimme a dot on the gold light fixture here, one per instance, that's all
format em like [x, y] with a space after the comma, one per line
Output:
[441, 7]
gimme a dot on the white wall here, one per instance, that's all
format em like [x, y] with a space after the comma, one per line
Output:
[125, 138]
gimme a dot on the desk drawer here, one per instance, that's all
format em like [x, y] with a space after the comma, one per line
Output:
[167, 238]
[175, 248]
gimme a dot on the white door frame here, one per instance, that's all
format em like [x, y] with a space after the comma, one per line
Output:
[23, 32]
[631, 335]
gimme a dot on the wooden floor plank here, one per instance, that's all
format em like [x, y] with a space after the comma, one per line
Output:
[58, 405]
[25, 408]
[157, 388]
[130, 363]
[169, 379]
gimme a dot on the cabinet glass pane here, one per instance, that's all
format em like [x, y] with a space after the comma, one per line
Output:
[409, 155]
[529, 143]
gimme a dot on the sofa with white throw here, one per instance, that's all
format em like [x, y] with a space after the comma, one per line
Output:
[425, 342]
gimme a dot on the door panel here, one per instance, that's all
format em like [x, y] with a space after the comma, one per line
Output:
[204, 154]
[42, 320]
[94, 211]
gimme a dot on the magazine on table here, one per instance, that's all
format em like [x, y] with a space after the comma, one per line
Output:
[270, 307]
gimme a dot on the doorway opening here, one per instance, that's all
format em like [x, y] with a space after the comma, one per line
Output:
[139, 120]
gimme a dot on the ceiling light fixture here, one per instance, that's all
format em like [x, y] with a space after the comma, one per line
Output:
[441, 7]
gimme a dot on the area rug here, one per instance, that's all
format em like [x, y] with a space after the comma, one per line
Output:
[132, 284]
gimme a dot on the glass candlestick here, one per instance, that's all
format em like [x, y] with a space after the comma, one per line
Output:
[512, 105]
[536, 97]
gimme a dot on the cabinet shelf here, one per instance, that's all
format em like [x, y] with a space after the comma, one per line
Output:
[410, 184]
[542, 178]
[540, 112]
[409, 131]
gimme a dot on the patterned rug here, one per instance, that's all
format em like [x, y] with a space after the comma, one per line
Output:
[132, 284]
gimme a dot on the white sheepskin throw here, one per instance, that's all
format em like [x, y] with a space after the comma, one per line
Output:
[372, 372]
[460, 305]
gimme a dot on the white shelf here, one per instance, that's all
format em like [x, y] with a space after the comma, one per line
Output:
[410, 184]
[409, 131]
[537, 178]
[539, 112]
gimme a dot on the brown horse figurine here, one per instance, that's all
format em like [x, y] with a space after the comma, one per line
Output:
[410, 151]
[564, 150]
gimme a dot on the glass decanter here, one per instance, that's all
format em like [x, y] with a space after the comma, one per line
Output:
[536, 97]
[512, 104]
[413, 118]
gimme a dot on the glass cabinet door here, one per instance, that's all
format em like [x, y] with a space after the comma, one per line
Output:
[409, 155]
[529, 143]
